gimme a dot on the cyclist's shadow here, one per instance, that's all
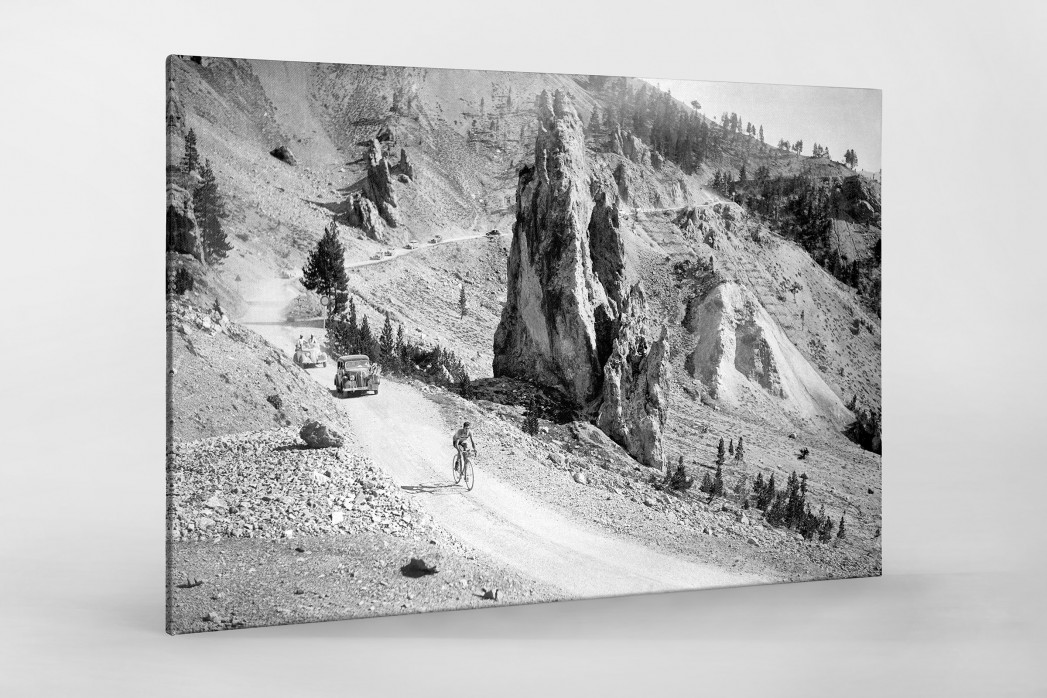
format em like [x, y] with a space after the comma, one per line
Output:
[437, 488]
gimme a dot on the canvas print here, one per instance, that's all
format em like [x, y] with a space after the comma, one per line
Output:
[445, 339]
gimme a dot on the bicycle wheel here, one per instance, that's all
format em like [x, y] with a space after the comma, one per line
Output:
[470, 476]
[456, 468]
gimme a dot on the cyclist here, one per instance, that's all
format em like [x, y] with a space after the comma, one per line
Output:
[461, 437]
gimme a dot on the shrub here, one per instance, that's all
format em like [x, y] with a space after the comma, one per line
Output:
[678, 479]
[275, 401]
[530, 423]
[465, 386]
[183, 281]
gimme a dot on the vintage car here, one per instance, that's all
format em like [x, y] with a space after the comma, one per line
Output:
[375, 257]
[493, 233]
[410, 246]
[356, 374]
[309, 356]
[388, 253]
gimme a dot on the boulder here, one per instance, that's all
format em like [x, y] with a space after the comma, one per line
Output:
[216, 503]
[581, 479]
[284, 154]
[318, 435]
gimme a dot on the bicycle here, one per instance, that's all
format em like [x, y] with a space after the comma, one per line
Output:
[464, 469]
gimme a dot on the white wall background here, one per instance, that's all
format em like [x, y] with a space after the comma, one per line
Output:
[81, 498]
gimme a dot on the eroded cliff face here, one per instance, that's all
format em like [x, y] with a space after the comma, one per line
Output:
[743, 358]
[570, 320]
[636, 376]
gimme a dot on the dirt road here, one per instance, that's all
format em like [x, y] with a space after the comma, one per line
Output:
[404, 434]
[400, 252]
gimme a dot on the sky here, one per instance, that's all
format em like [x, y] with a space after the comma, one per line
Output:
[836, 117]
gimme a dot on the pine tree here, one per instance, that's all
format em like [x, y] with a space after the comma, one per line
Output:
[825, 531]
[462, 302]
[324, 272]
[386, 341]
[209, 207]
[718, 482]
[720, 451]
[365, 340]
[191, 159]
[841, 532]
[399, 345]
[730, 446]
[761, 133]
[353, 319]
[739, 450]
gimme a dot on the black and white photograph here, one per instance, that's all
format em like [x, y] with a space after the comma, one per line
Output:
[443, 339]
[498, 350]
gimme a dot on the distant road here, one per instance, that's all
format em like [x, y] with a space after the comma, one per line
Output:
[419, 246]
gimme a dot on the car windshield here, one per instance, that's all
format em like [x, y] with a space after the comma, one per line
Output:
[357, 363]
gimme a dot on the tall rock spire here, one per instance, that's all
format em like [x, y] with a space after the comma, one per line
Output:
[568, 308]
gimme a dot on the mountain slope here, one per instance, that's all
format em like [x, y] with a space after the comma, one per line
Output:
[808, 344]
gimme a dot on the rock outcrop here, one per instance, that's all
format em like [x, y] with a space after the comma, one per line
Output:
[364, 214]
[570, 321]
[629, 146]
[860, 200]
[636, 378]
[182, 234]
[405, 167]
[379, 184]
[744, 358]
[373, 209]
[175, 130]
[284, 154]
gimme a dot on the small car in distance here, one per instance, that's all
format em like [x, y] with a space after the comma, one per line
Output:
[309, 356]
[356, 374]
[388, 253]
[493, 234]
